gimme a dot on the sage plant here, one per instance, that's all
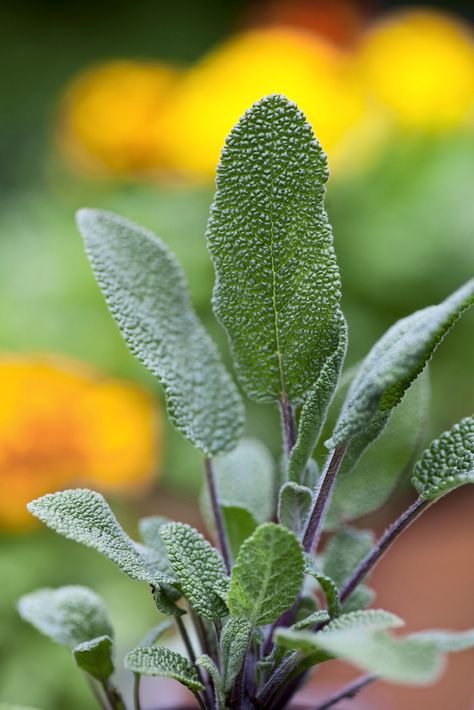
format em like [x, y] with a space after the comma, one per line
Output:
[267, 604]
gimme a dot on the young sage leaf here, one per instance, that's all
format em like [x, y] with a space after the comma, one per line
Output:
[448, 641]
[208, 664]
[69, 615]
[95, 657]
[328, 586]
[267, 575]
[147, 294]
[235, 639]
[277, 288]
[448, 463]
[84, 516]
[150, 532]
[160, 661]
[293, 506]
[395, 361]
[199, 567]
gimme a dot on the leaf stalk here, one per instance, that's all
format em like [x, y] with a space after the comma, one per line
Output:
[218, 517]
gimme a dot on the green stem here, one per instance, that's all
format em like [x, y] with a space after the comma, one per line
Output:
[113, 696]
[95, 690]
[136, 691]
[200, 700]
[192, 657]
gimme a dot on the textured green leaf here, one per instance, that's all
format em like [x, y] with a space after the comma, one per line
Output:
[147, 294]
[267, 575]
[84, 516]
[395, 361]
[293, 506]
[378, 458]
[68, 615]
[239, 525]
[95, 657]
[208, 664]
[157, 660]
[235, 639]
[150, 532]
[315, 408]
[448, 462]
[448, 641]
[244, 479]
[317, 617]
[344, 551]
[361, 598]
[277, 286]
[328, 586]
[368, 619]
[408, 660]
[154, 634]
[199, 567]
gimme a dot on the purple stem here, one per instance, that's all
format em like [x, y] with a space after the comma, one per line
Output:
[289, 423]
[218, 518]
[382, 545]
[321, 499]
[350, 691]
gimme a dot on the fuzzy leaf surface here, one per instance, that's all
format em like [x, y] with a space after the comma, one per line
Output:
[199, 567]
[277, 288]
[448, 641]
[95, 657]
[208, 664]
[395, 361]
[160, 661]
[85, 516]
[293, 506]
[328, 586]
[150, 532]
[447, 463]
[69, 615]
[315, 408]
[235, 639]
[317, 617]
[147, 294]
[267, 575]
[239, 525]
[379, 458]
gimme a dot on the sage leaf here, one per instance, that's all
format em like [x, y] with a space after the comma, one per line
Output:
[267, 575]
[208, 664]
[235, 639]
[378, 458]
[315, 408]
[328, 586]
[360, 599]
[199, 567]
[95, 657]
[239, 525]
[150, 532]
[69, 615]
[344, 551]
[317, 617]
[447, 463]
[277, 288]
[84, 516]
[448, 641]
[160, 661]
[395, 361]
[293, 506]
[147, 294]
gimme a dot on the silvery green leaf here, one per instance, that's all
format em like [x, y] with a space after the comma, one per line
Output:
[361, 598]
[208, 664]
[150, 532]
[328, 586]
[199, 567]
[277, 288]
[95, 657]
[267, 575]
[235, 639]
[448, 641]
[293, 506]
[344, 551]
[160, 661]
[239, 525]
[315, 408]
[409, 660]
[69, 615]
[378, 458]
[447, 463]
[395, 361]
[368, 619]
[317, 617]
[84, 516]
[147, 294]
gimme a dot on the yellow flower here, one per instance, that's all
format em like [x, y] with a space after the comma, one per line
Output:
[420, 65]
[63, 425]
[212, 96]
[110, 119]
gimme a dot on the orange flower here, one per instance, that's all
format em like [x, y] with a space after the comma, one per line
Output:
[62, 425]
[111, 117]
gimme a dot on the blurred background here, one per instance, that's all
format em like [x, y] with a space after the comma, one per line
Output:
[126, 106]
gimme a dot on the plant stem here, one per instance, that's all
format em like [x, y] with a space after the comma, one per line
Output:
[289, 423]
[321, 498]
[113, 696]
[136, 691]
[192, 657]
[96, 692]
[218, 517]
[200, 700]
[350, 691]
[382, 545]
